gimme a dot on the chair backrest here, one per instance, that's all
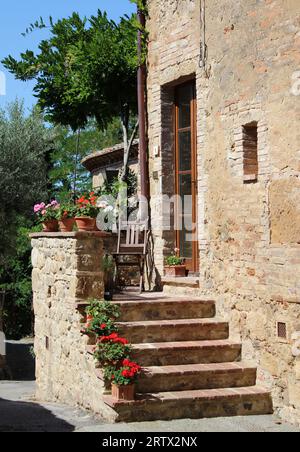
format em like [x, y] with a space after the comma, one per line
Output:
[133, 237]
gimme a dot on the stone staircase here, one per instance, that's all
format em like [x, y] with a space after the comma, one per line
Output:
[192, 369]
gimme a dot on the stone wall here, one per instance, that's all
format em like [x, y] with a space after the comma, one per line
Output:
[99, 176]
[248, 230]
[67, 270]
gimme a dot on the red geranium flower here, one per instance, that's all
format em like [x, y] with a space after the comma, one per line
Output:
[126, 374]
[126, 363]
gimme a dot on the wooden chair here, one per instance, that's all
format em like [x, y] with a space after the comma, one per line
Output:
[132, 242]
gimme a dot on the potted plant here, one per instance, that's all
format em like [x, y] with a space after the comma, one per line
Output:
[175, 266]
[112, 349]
[47, 215]
[123, 378]
[101, 318]
[66, 217]
[112, 352]
[86, 212]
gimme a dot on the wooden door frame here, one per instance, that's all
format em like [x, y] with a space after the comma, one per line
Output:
[193, 129]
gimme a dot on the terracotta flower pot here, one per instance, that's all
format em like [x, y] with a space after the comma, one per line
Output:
[50, 226]
[66, 225]
[123, 392]
[86, 224]
[176, 271]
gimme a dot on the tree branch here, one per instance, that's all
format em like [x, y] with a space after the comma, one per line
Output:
[127, 151]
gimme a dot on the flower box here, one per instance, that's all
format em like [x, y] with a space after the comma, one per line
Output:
[126, 392]
[176, 271]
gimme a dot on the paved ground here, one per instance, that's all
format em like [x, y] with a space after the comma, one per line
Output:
[20, 413]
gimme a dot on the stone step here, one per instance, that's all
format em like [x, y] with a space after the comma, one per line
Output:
[189, 286]
[193, 404]
[176, 353]
[190, 282]
[196, 376]
[166, 309]
[174, 330]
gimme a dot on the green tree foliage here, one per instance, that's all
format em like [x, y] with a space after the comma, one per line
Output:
[86, 69]
[15, 280]
[67, 174]
[25, 146]
[85, 81]
[142, 5]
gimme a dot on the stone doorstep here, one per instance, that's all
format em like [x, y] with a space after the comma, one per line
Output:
[193, 404]
[190, 282]
[175, 330]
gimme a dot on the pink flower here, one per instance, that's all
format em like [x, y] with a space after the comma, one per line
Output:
[38, 207]
[54, 204]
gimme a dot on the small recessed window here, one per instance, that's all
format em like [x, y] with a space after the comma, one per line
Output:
[250, 150]
[282, 330]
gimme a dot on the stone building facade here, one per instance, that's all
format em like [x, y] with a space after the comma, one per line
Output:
[105, 165]
[243, 60]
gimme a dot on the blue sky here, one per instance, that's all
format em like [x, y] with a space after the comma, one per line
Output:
[15, 17]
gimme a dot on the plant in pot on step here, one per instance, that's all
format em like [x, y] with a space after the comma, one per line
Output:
[47, 215]
[123, 377]
[66, 217]
[101, 318]
[111, 349]
[86, 212]
[175, 266]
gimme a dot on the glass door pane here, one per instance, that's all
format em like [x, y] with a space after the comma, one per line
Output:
[185, 150]
[186, 174]
[184, 103]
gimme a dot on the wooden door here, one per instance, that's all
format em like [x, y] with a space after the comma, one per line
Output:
[186, 173]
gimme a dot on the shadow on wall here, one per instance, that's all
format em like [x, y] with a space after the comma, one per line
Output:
[29, 417]
[20, 360]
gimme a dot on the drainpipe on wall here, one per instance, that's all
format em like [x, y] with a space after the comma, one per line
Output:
[142, 110]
